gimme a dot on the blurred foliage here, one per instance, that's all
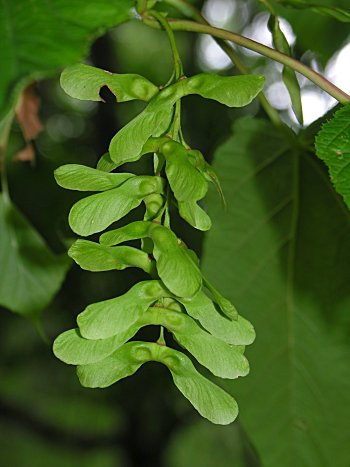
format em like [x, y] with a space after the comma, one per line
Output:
[46, 417]
[329, 33]
[64, 39]
[288, 272]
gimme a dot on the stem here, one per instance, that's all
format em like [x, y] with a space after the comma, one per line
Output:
[191, 11]
[165, 25]
[161, 338]
[312, 75]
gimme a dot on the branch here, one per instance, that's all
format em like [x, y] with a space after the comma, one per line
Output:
[191, 11]
[312, 75]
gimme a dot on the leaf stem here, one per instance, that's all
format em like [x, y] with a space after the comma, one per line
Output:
[165, 25]
[312, 75]
[161, 338]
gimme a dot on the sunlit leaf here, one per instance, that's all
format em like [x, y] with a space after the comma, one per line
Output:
[333, 147]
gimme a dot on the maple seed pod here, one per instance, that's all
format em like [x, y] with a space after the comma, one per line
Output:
[160, 234]
[141, 353]
[168, 148]
[173, 363]
[154, 203]
[141, 89]
[146, 188]
[175, 320]
[152, 289]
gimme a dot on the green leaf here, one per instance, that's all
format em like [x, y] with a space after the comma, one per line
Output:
[35, 43]
[83, 178]
[95, 213]
[233, 91]
[85, 82]
[73, 349]
[333, 147]
[95, 257]
[237, 332]
[289, 76]
[194, 215]
[286, 263]
[31, 273]
[211, 401]
[334, 12]
[187, 183]
[109, 317]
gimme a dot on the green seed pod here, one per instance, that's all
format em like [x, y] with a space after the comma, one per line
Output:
[141, 353]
